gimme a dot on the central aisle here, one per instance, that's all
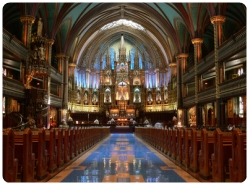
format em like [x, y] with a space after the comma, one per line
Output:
[122, 158]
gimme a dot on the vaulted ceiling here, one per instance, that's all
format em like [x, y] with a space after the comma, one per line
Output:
[75, 27]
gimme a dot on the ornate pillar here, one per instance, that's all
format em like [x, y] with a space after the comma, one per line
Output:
[217, 22]
[60, 62]
[72, 76]
[181, 65]
[61, 68]
[197, 56]
[66, 78]
[50, 42]
[27, 21]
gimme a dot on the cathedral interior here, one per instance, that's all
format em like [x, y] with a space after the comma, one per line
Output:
[173, 63]
[124, 92]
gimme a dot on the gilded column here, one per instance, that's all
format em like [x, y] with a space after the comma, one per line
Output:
[61, 68]
[197, 56]
[183, 58]
[66, 77]
[174, 97]
[27, 21]
[181, 65]
[217, 22]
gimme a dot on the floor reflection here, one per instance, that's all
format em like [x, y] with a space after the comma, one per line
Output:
[122, 158]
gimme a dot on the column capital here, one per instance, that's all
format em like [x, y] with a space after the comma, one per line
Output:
[172, 64]
[197, 41]
[27, 18]
[72, 64]
[182, 55]
[217, 19]
[61, 55]
[50, 41]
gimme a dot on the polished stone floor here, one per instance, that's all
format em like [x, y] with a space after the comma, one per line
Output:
[122, 158]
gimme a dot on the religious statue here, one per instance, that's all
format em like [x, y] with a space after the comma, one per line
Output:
[166, 95]
[85, 98]
[158, 97]
[107, 97]
[107, 113]
[94, 100]
[39, 27]
[96, 121]
[29, 78]
[150, 99]
[41, 52]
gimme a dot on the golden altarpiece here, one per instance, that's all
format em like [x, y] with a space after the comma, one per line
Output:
[123, 89]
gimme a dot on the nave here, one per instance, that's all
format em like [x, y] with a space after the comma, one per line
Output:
[122, 158]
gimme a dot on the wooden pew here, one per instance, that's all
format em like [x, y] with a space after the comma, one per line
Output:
[41, 153]
[194, 148]
[169, 142]
[72, 142]
[237, 164]
[221, 155]
[179, 143]
[83, 138]
[66, 144]
[24, 154]
[165, 140]
[173, 143]
[207, 148]
[50, 138]
[162, 139]
[185, 147]
[10, 163]
[77, 144]
[80, 139]
[60, 147]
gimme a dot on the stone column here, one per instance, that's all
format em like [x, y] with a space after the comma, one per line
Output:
[197, 56]
[217, 22]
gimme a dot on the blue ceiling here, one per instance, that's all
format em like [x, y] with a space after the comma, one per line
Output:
[170, 26]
